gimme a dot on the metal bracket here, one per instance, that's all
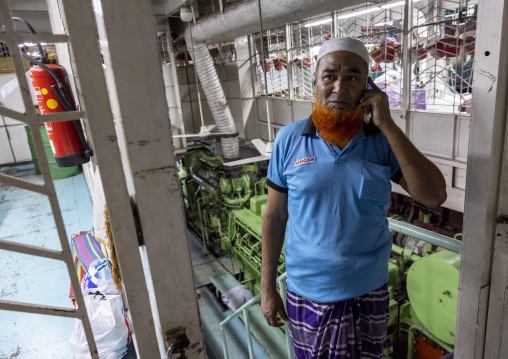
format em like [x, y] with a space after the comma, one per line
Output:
[177, 342]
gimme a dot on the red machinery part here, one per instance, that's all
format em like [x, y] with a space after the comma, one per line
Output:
[65, 140]
[425, 348]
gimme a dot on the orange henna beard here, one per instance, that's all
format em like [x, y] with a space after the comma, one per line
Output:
[336, 126]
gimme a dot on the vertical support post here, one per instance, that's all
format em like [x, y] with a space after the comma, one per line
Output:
[78, 19]
[335, 24]
[406, 65]
[146, 125]
[172, 83]
[284, 295]
[476, 319]
[289, 58]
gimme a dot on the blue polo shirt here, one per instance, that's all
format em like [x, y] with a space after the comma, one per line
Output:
[337, 239]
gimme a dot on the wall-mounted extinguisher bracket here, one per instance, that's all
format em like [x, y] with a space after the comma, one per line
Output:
[66, 138]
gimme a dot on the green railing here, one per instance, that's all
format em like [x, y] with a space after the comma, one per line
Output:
[409, 229]
[425, 235]
[246, 320]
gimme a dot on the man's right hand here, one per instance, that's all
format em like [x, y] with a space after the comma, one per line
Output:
[271, 305]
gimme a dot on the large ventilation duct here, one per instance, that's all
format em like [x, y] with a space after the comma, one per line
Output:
[239, 19]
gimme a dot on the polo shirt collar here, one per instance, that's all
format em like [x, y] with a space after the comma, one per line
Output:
[368, 129]
[309, 128]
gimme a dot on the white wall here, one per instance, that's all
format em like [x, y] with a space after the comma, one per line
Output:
[13, 140]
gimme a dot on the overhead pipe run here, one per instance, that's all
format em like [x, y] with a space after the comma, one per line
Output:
[240, 19]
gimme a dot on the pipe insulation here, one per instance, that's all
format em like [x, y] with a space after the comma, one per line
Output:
[210, 82]
[239, 19]
[242, 17]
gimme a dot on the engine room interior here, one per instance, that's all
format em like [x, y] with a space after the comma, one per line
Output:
[138, 148]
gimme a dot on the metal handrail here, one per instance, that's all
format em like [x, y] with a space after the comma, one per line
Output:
[425, 235]
[243, 310]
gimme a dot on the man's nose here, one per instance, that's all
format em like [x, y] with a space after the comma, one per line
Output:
[339, 85]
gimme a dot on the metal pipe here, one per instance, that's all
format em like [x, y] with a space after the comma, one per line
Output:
[425, 235]
[205, 68]
[197, 81]
[239, 311]
[241, 18]
[283, 293]
[246, 321]
[224, 343]
[402, 252]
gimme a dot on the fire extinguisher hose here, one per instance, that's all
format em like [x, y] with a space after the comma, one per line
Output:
[77, 124]
[23, 21]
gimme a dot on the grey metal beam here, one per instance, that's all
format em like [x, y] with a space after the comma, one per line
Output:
[487, 141]
[24, 184]
[39, 309]
[143, 112]
[32, 250]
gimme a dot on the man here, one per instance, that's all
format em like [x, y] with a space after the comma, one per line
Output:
[330, 176]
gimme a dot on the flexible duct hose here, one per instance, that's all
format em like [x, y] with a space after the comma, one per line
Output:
[203, 65]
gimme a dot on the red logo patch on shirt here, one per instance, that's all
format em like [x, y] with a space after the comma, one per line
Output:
[305, 160]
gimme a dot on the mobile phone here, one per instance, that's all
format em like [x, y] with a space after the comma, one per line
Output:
[367, 114]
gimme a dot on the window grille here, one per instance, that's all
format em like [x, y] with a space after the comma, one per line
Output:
[441, 37]
[447, 31]
[275, 66]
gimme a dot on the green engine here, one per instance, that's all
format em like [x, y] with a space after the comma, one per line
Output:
[225, 208]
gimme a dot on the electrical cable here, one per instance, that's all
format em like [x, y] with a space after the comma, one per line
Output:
[23, 21]
[51, 72]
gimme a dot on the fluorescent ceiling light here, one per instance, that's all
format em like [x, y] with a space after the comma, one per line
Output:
[320, 22]
[375, 8]
[359, 12]
[26, 44]
[389, 6]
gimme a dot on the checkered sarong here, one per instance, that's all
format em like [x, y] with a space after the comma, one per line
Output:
[353, 328]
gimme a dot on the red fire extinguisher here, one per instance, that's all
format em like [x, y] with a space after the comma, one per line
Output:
[51, 85]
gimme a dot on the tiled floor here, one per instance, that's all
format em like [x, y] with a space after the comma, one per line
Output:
[26, 217]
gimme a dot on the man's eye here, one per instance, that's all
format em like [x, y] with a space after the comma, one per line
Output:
[352, 78]
[329, 77]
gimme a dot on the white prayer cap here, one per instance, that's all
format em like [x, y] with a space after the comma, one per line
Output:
[344, 44]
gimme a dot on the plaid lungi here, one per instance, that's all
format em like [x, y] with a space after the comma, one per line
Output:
[353, 328]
